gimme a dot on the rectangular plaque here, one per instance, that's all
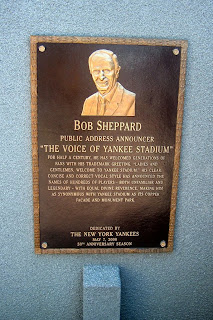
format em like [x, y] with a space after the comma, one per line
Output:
[106, 133]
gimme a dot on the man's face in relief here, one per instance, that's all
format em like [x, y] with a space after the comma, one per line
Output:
[103, 72]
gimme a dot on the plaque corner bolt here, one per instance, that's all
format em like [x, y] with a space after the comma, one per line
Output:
[44, 245]
[41, 48]
[163, 244]
[176, 51]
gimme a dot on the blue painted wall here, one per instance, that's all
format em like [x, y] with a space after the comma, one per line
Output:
[154, 286]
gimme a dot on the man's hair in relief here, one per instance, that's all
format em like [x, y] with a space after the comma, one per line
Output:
[109, 53]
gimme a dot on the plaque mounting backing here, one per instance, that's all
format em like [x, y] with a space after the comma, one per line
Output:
[60, 82]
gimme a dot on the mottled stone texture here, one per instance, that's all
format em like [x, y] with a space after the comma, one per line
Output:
[101, 292]
[173, 286]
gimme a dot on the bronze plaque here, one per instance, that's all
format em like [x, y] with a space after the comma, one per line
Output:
[106, 132]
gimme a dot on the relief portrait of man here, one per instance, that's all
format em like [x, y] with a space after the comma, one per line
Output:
[112, 99]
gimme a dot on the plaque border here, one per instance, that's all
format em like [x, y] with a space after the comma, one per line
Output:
[34, 131]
